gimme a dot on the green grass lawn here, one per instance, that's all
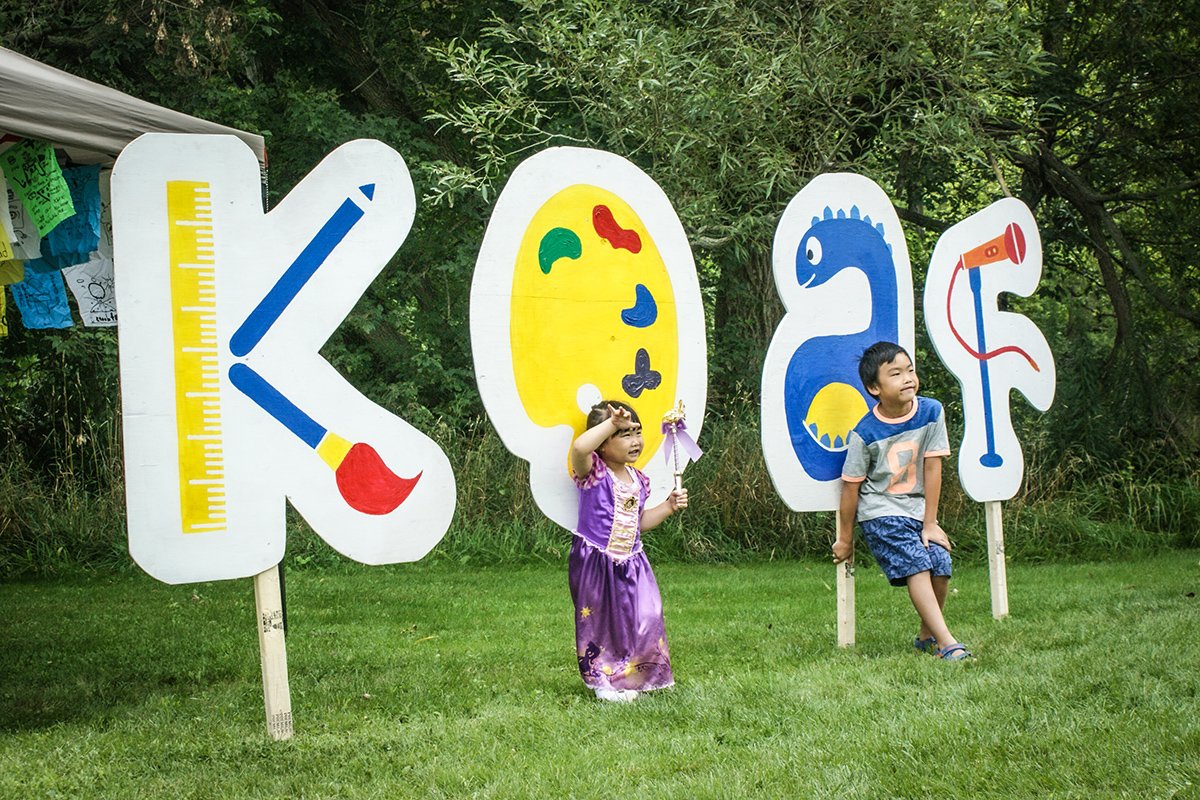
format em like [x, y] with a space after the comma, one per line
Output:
[443, 681]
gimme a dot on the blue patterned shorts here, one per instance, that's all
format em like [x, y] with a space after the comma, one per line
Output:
[896, 544]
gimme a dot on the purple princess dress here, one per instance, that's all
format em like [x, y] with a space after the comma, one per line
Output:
[619, 635]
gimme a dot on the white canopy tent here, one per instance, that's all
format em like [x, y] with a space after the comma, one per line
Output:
[90, 122]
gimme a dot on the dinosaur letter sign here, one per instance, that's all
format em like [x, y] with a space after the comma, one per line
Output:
[842, 271]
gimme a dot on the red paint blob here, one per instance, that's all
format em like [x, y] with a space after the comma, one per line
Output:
[620, 238]
[368, 485]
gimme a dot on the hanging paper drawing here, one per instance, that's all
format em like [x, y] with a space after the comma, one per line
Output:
[73, 239]
[228, 406]
[33, 172]
[95, 294]
[8, 235]
[42, 301]
[27, 243]
[105, 247]
[585, 289]
[990, 352]
[842, 271]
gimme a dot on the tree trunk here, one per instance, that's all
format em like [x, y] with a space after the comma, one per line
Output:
[747, 311]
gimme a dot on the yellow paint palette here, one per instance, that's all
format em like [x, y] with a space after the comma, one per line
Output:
[585, 290]
[590, 293]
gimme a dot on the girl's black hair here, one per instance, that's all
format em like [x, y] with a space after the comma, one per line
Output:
[600, 412]
[875, 357]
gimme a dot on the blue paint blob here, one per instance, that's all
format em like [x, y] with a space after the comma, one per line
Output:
[644, 311]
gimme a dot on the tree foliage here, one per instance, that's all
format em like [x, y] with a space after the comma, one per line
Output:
[733, 106]
[1082, 108]
[309, 77]
[1114, 172]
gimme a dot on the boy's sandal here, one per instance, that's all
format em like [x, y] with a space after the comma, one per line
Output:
[926, 645]
[955, 652]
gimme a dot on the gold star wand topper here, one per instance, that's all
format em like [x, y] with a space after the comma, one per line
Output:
[675, 415]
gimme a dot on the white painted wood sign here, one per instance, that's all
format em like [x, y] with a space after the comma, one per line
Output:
[229, 409]
[842, 271]
[585, 289]
[991, 352]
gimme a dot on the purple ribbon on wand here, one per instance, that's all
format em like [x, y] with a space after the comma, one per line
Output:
[675, 430]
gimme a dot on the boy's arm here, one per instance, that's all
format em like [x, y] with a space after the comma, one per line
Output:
[854, 471]
[843, 547]
[651, 517]
[931, 531]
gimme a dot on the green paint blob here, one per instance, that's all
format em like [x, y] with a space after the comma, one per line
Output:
[558, 243]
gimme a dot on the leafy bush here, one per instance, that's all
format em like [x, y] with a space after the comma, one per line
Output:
[1070, 508]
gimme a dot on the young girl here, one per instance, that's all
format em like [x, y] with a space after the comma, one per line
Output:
[619, 633]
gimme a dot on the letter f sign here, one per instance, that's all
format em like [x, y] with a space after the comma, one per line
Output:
[229, 409]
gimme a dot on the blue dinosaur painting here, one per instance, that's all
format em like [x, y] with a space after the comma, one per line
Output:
[842, 271]
[823, 396]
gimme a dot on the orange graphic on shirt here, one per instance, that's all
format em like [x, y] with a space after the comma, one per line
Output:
[904, 476]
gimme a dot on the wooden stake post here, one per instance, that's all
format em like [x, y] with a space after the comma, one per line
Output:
[845, 597]
[996, 566]
[268, 602]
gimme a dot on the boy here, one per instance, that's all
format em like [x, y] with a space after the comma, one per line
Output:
[892, 481]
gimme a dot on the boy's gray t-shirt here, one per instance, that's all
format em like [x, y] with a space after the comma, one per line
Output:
[887, 456]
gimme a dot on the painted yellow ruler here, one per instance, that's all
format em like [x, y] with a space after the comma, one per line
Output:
[197, 371]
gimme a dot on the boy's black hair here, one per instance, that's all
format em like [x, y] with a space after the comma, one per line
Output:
[599, 412]
[875, 357]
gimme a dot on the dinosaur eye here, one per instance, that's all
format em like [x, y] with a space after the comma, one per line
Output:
[813, 251]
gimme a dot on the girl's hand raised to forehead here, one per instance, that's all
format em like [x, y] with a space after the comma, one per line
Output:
[620, 417]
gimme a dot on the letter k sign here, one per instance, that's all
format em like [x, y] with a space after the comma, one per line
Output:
[229, 409]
